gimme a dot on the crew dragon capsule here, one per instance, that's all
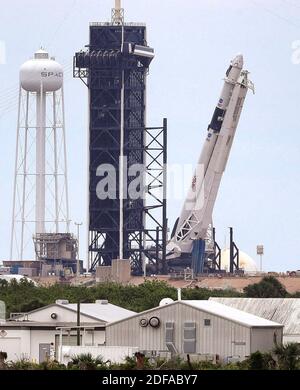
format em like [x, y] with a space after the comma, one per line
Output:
[196, 214]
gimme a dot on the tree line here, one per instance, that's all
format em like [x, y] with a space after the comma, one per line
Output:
[24, 296]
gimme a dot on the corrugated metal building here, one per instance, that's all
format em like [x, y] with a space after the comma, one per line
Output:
[285, 311]
[195, 328]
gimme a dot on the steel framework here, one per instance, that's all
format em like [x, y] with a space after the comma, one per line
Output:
[123, 226]
[27, 218]
[234, 255]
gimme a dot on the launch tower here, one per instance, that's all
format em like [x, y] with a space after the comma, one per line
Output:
[115, 69]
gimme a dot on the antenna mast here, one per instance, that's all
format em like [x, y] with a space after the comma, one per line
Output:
[117, 13]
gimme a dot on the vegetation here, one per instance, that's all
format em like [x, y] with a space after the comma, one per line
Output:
[288, 356]
[268, 287]
[261, 361]
[285, 357]
[25, 296]
[86, 362]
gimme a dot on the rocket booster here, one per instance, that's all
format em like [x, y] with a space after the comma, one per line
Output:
[197, 210]
[214, 128]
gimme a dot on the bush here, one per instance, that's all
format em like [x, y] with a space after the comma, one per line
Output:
[288, 356]
[52, 365]
[260, 361]
[268, 287]
[23, 364]
[86, 362]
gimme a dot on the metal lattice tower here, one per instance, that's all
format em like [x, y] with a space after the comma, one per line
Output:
[40, 200]
[115, 68]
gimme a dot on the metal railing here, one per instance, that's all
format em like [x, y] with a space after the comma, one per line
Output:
[18, 317]
[131, 24]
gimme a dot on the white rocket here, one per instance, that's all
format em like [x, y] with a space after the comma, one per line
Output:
[196, 214]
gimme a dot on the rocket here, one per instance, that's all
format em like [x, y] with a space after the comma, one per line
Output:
[196, 214]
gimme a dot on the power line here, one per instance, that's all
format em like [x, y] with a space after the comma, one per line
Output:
[283, 18]
[292, 4]
[63, 22]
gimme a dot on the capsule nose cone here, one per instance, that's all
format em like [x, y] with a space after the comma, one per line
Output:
[238, 61]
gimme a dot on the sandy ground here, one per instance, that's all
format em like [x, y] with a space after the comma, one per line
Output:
[292, 284]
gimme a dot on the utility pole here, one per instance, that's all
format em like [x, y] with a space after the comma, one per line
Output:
[78, 256]
[78, 322]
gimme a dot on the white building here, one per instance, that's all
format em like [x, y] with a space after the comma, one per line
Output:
[35, 334]
[285, 311]
[199, 328]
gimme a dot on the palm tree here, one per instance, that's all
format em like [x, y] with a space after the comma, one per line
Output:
[86, 362]
[288, 356]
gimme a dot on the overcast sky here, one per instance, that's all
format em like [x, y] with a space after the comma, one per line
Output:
[194, 42]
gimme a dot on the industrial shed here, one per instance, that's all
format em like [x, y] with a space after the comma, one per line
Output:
[285, 311]
[198, 328]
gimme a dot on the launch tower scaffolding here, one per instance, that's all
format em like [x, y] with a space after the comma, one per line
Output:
[114, 68]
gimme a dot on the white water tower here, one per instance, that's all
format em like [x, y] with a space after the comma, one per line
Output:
[40, 201]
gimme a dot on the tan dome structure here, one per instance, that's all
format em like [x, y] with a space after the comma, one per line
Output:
[246, 262]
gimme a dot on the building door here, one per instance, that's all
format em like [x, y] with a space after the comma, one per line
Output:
[239, 349]
[44, 352]
[239, 346]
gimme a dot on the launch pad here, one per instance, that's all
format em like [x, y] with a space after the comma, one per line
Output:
[114, 67]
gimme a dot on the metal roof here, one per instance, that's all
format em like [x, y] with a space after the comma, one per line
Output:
[232, 314]
[52, 325]
[285, 311]
[105, 312]
[216, 309]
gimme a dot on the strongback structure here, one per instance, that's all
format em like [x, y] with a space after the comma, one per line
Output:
[123, 225]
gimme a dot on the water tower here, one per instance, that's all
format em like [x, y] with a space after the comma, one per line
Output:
[40, 199]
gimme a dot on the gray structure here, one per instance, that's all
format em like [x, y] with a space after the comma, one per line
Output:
[55, 246]
[119, 271]
[203, 329]
[285, 311]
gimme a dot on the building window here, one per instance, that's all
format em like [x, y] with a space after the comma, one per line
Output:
[206, 322]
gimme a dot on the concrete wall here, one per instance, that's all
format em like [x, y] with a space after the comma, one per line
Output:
[103, 274]
[121, 270]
